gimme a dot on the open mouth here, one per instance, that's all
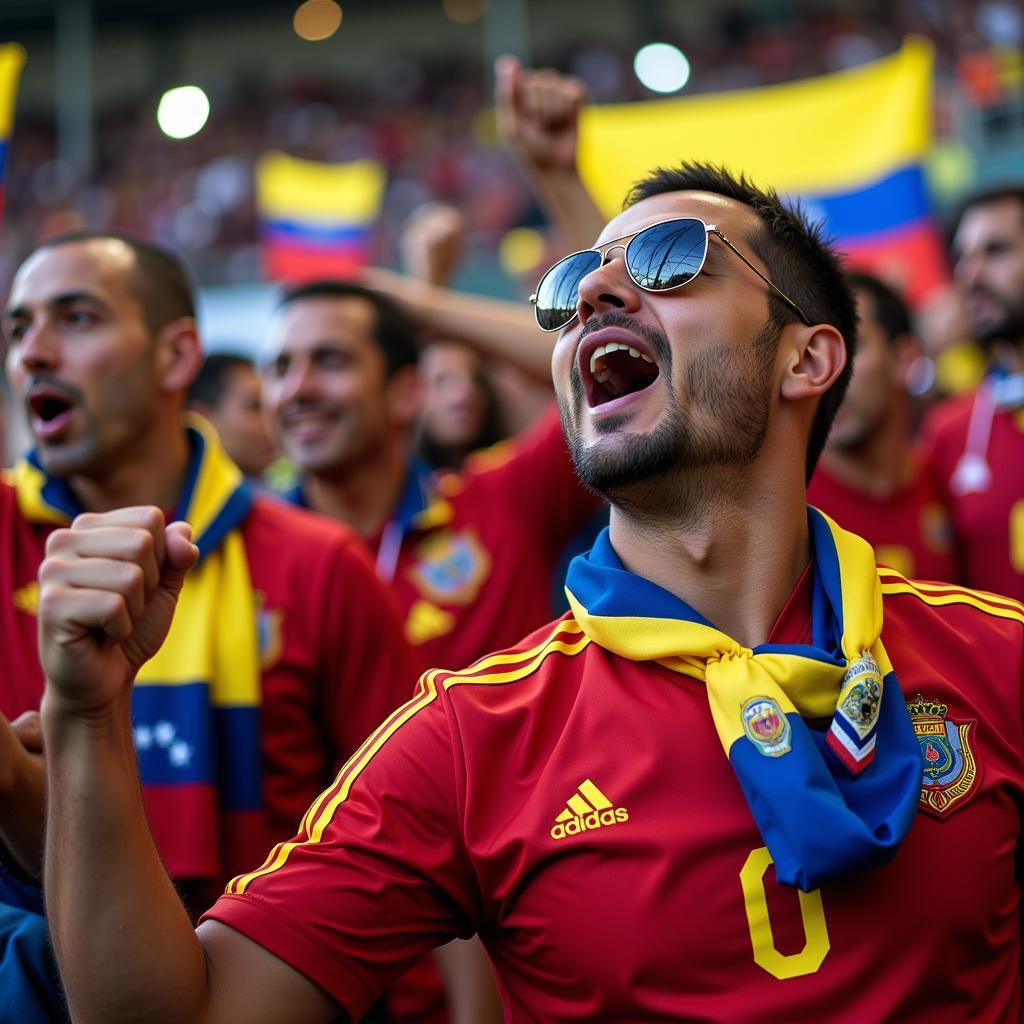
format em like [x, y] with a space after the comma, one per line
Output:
[48, 407]
[617, 369]
[50, 411]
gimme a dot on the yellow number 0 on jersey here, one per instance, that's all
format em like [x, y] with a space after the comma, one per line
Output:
[816, 945]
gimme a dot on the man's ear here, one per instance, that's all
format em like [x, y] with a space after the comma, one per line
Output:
[405, 395]
[817, 358]
[179, 354]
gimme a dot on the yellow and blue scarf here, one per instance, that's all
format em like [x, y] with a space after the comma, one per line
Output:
[826, 802]
[196, 703]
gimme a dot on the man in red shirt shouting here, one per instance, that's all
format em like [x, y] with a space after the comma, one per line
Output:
[716, 789]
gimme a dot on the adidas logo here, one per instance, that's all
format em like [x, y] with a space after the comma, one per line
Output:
[586, 809]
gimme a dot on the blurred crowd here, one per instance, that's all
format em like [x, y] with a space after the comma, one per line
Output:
[432, 502]
[422, 119]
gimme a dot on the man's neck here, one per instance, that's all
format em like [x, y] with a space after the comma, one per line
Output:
[362, 494]
[881, 464]
[736, 561]
[152, 473]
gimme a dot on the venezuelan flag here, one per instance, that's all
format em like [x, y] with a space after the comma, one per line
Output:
[849, 145]
[317, 219]
[12, 57]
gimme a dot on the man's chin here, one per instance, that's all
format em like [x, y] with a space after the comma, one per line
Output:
[63, 460]
[609, 464]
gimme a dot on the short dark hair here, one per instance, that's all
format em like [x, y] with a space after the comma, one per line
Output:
[393, 330]
[800, 260]
[160, 281]
[888, 308]
[212, 380]
[985, 197]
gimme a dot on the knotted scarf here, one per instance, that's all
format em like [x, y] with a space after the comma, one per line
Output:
[826, 801]
[196, 703]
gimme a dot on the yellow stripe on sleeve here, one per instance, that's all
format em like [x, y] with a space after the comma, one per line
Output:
[940, 597]
[320, 814]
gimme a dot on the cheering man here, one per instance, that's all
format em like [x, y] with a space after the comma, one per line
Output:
[748, 774]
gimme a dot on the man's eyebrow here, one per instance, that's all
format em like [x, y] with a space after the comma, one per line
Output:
[70, 298]
[61, 301]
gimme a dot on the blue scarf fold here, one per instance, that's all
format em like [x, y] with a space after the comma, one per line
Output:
[826, 802]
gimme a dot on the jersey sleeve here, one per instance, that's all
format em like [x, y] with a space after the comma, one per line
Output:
[532, 477]
[368, 666]
[377, 874]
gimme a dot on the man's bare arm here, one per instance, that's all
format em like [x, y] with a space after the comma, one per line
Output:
[124, 944]
[538, 118]
[493, 327]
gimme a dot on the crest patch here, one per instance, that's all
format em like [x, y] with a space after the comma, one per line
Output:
[268, 632]
[766, 726]
[949, 770]
[451, 566]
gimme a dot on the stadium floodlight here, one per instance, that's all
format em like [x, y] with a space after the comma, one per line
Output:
[182, 111]
[317, 19]
[661, 67]
[464, 11]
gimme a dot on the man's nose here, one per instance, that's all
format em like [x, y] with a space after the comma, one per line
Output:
[969, 269]
[608, 287]
[299, 382]
[38, 349]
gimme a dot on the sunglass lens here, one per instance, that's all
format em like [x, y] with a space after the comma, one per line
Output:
[667, 255]
[559, 289]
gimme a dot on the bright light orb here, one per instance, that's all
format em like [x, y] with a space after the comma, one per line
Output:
[661, 67]
[317, 19]
[182, 111]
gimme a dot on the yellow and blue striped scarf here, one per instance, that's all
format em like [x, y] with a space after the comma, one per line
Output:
[196, 703]
[826, 802]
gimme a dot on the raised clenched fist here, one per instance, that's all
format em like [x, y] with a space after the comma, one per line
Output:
[107, 591]
[538, 113]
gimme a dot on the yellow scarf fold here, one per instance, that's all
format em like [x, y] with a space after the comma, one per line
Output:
[196, 702]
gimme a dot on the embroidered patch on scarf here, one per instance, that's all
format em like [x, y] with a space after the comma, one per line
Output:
[767, 727]
[851, 737]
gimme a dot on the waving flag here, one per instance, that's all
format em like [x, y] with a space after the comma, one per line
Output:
[317, 219]
[849, 145]
[12, 57]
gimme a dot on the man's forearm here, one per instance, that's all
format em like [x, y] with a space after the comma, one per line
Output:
[568, 205]
[494, 327]
[124, 944]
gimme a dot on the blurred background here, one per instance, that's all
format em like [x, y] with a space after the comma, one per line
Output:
[409, 83]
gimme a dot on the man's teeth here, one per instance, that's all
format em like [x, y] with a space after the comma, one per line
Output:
[599, 373]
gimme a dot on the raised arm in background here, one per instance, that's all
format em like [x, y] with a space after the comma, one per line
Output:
[538, 118]
[538, 113]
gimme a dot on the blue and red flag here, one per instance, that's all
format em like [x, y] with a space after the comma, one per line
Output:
[316, 219]
[12, 57]
[851, 146]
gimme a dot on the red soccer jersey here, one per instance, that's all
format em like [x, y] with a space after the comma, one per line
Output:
[331, 666]
[473, 571]
[909, 530]
[576, 808]
[988, 518]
